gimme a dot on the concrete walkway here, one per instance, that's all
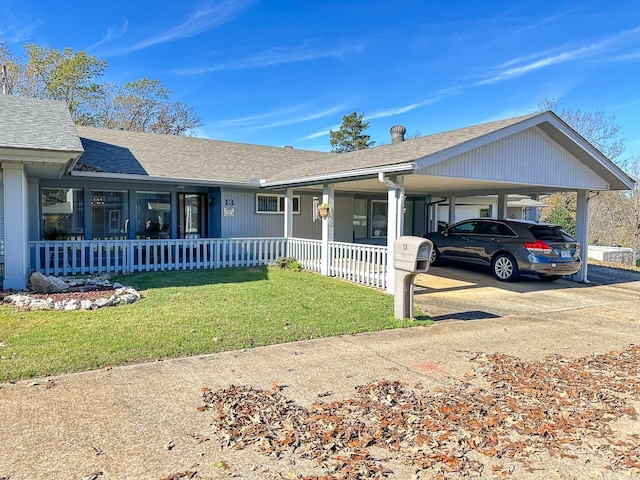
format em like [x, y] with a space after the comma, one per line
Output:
[142, 421]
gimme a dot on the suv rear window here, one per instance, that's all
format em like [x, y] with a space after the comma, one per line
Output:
[495, 228]
[553, 234]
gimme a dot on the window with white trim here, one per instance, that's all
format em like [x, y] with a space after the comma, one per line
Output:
[273, 203]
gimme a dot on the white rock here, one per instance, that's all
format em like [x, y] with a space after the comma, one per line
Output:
[126, 298]
[71, 305]
[105, 302]
[39, 304]
[87, 305]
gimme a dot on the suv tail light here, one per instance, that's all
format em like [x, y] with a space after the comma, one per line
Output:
[538, 247]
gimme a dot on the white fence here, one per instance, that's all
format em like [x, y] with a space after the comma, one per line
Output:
[307, 252]
[363, 264]
[128, 256]
[358, 263]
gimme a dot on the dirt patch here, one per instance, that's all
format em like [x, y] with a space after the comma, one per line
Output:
[93, 294]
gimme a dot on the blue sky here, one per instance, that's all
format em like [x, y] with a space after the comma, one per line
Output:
[285, 72]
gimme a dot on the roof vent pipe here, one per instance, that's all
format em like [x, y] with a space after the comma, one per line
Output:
[397, 134]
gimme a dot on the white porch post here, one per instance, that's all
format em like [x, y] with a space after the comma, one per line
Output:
[288, 213]
[582, 233]
[502, 205]
[327, 228]
[452, 210]
[395, 224]
[16, 224]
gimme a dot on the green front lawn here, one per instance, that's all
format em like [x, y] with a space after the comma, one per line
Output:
[189, 313]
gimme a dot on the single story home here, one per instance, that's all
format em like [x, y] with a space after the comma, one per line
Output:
[75, 200]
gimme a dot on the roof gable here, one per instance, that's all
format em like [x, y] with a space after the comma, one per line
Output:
[529, 155]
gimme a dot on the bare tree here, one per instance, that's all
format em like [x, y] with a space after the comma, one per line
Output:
[11, 68]
[73, 77]
[600, 130]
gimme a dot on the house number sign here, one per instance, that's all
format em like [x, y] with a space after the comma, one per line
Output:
[229, 210]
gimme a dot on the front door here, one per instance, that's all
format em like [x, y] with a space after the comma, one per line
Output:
[192, 209]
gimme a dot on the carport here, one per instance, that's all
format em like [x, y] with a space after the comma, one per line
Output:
[529, 155]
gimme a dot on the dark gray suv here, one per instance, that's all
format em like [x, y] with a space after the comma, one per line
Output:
[509, 247]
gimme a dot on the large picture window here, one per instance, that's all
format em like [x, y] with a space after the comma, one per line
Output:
[62, 213]
[109, 214]
[271, 203]
[153, 211]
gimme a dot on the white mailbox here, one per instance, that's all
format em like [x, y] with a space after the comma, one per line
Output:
[411, 256]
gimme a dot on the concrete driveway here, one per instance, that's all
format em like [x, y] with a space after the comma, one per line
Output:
[142, 421]
[472, 294]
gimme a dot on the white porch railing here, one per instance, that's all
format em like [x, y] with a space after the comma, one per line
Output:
[358, 263]
[308, 252]
[127, 256]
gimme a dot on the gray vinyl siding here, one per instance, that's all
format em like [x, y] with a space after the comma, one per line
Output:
[242, 220]
[529, 156]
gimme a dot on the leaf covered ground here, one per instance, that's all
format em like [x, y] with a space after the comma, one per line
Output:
[499, 421]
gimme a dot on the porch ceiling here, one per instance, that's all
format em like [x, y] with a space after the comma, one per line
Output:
[442, 186]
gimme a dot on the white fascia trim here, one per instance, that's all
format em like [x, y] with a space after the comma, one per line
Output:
[592, 151]
[41, 157]
[340, 176]
[176, 180]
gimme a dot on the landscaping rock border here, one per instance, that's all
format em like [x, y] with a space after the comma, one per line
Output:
[72, 293]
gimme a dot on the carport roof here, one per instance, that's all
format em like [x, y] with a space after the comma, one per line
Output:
[415, 156]
[125, 154]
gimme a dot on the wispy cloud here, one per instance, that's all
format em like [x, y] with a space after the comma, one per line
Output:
[320, 133]
[112, 33]
[604, 46]
[277, 118]
[15, 28]
[390, 112]
[276, 56]
[213, 15]
[548, 20]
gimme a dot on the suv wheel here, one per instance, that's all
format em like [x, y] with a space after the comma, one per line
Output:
[434, 259]
[504, 268]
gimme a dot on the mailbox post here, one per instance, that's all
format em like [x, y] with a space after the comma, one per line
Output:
[410, 257]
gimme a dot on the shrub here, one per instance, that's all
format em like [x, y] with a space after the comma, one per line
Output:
[288, 263]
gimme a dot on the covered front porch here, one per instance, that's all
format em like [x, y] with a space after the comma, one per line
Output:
[358, 263]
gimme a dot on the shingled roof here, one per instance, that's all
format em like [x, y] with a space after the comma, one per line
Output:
[134, 153]
[172, 156]
[34, 124]
[405, 152]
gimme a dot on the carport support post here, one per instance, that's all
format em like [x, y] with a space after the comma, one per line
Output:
[452, 211]
[582, 233]
[327, 228]
[395, 225]
[502, 205]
